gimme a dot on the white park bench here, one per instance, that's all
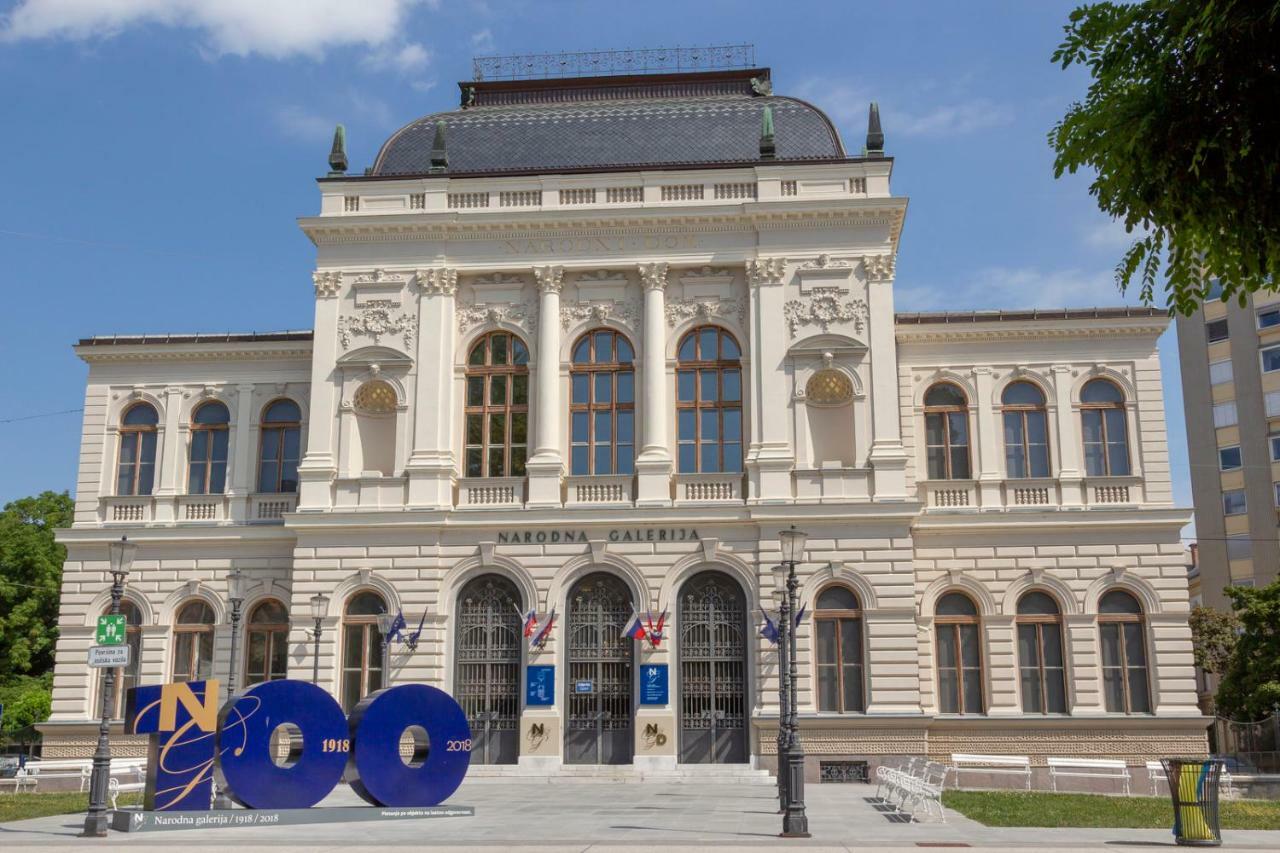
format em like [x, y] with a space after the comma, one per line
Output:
[58, 768]
[126, 778]
[1156, 775]
[1015, 765]
[1088, 768]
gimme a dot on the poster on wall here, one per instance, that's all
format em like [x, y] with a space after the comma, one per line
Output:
[540, 685]
[653, 684]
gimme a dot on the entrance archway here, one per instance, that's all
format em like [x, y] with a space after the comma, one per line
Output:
[598, 726]
[487, 667]
[713, 670]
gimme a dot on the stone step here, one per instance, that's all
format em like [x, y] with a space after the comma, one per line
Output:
[692, 773]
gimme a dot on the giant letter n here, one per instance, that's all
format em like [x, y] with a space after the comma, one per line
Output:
[181, 720]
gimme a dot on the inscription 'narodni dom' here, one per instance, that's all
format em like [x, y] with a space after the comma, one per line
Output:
[624, 243]
[552, 537]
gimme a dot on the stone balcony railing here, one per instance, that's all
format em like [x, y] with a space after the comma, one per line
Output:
[491, 492]
[207, 508]
[614, 490]
[1112, 491]
[127, 510]
[1031, 494]
[270, 508]
[707, 488]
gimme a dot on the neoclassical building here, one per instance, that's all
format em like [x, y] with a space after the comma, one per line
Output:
[586, 345]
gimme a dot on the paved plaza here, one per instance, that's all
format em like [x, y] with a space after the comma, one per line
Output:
[601, 816]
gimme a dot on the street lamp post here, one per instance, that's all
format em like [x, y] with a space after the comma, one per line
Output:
[319, 606]
[95, 822]
[385, 621]
[780, 592]
[795, 823]
[235, 594]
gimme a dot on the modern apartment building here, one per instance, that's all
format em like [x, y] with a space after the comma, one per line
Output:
[1230, 355]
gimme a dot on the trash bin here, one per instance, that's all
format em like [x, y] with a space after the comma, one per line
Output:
[1193, 785]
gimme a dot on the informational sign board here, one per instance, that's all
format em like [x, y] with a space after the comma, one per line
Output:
[110, 630]
[584, 687]
[653, 684]
[108, 657]
[540, 685]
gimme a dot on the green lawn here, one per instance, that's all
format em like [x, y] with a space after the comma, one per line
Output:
[1017, 808]
[27, 805]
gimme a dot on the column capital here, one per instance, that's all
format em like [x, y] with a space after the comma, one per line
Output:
[762, 271]
[437, 280]
[327, 283]
[550, 278]
[654, 276]
[880, 267]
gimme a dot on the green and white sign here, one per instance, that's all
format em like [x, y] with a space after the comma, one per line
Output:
[110, 630]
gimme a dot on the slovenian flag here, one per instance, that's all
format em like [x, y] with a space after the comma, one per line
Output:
[530, 623]
[769, 630]
[635, 628]
[540, 639]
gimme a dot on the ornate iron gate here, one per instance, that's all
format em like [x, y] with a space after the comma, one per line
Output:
[487, 667]
[598, 726]
[713, 667]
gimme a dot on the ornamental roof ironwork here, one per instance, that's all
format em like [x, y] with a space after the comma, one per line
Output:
[599, 63]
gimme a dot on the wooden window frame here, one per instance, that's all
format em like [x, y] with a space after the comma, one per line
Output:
[370, 644]
[719, 405]
[1101, 409]
[135, 433]
[270, 630]
[1039, 620]
[953, 623]
[282, 427]
[945, 413]
[192, 628]
[837, 616]
[486, 372]
[1022, 410]
[591, 369]
[1119, 619]
[206, 464]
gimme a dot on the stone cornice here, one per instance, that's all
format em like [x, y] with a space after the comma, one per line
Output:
[1170, 519]
[193, 352]
[995, 331]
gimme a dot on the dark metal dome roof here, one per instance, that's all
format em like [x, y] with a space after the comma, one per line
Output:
[590, 124]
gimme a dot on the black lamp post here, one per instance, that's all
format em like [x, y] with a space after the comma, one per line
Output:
[319, 606]
[235, 595]
[385, 621]
[795, 824]
[780, 592]
[95, 822]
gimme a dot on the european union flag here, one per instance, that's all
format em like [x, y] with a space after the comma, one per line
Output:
[769, 630]
[396, 631]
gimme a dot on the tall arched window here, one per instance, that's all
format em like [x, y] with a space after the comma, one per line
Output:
[1124, 654]
[1041, 662]
[127, 676]
[838, 622]
[602, 405]
[136, 468]
[959, 655]
[1026, 431]
[268, 643]
[207, 462]
[497, 406]
[280, 447]
[1106, 436]
[193, 642]
[361, 647]
[709, 401]
[946, 432]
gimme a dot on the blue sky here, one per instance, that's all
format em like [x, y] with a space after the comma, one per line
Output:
[159, 151]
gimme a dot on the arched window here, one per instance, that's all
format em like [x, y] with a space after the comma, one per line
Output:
[946, 432]
[126, 676]
[1026, 432]
[602, 405]
[497, 406]
[136, 468]
[838, 622]
[361, 647]
[959, 655]
[280, 447]
[1106, 436]
[207, 472]
[1041, 662]
[193, 642]
[267, 642]
[1124, 654]
[709, 401]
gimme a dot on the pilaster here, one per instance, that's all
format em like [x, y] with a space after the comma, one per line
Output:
[243, 452]
[654, 465]
[988, 461]
[546, 466]
[431, 463]
[1070, 476]
[888, 457]
[171, 465]
[770, 458]
[317, 469]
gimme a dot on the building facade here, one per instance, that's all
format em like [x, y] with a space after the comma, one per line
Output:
[585, 346]
[1230, 359]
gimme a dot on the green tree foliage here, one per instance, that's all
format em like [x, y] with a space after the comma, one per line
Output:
[1213, 637]
[30, 578]
[27, 700]
[1250, 685]
[1181, 125]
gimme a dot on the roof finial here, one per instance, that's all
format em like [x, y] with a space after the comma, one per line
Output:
[768, 150]
[439, 156]
[338, 154]
[875, 136]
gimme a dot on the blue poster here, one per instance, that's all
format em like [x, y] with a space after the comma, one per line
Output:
[653, 684]
[540, 685]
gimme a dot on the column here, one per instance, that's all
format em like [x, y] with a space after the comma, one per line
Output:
[988, 464]
[770, 458]
[653, 465]
[170, 480]
[316, 471]
[242, 452]
[888, 457]
[431, 462]
[1070, 475]
[546, 466]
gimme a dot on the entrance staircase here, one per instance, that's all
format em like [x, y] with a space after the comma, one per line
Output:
[736, 774]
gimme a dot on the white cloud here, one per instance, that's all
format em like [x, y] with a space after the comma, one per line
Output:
[1017, 288]
[271, 28]
[423, 85]
[482, 40]
[1110, 235]
[406, 59]
[300, 123]
[904, 114]
[947, 120]
[352, 107]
